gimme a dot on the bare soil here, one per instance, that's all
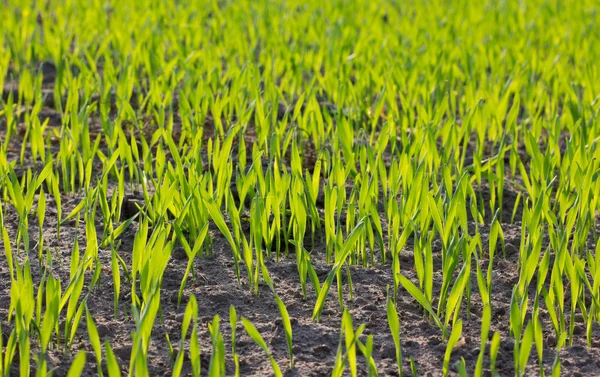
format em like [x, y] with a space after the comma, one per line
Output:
[315, 343]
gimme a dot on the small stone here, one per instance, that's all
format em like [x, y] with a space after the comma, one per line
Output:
[433, 342]
[360, 301]
[476, 310]
[511, 248]
[322, 350]
[103, 330]
[461, 342]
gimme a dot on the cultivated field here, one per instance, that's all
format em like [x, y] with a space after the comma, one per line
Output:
[299, 188]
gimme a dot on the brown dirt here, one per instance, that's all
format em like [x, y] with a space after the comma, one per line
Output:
[315, 343]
